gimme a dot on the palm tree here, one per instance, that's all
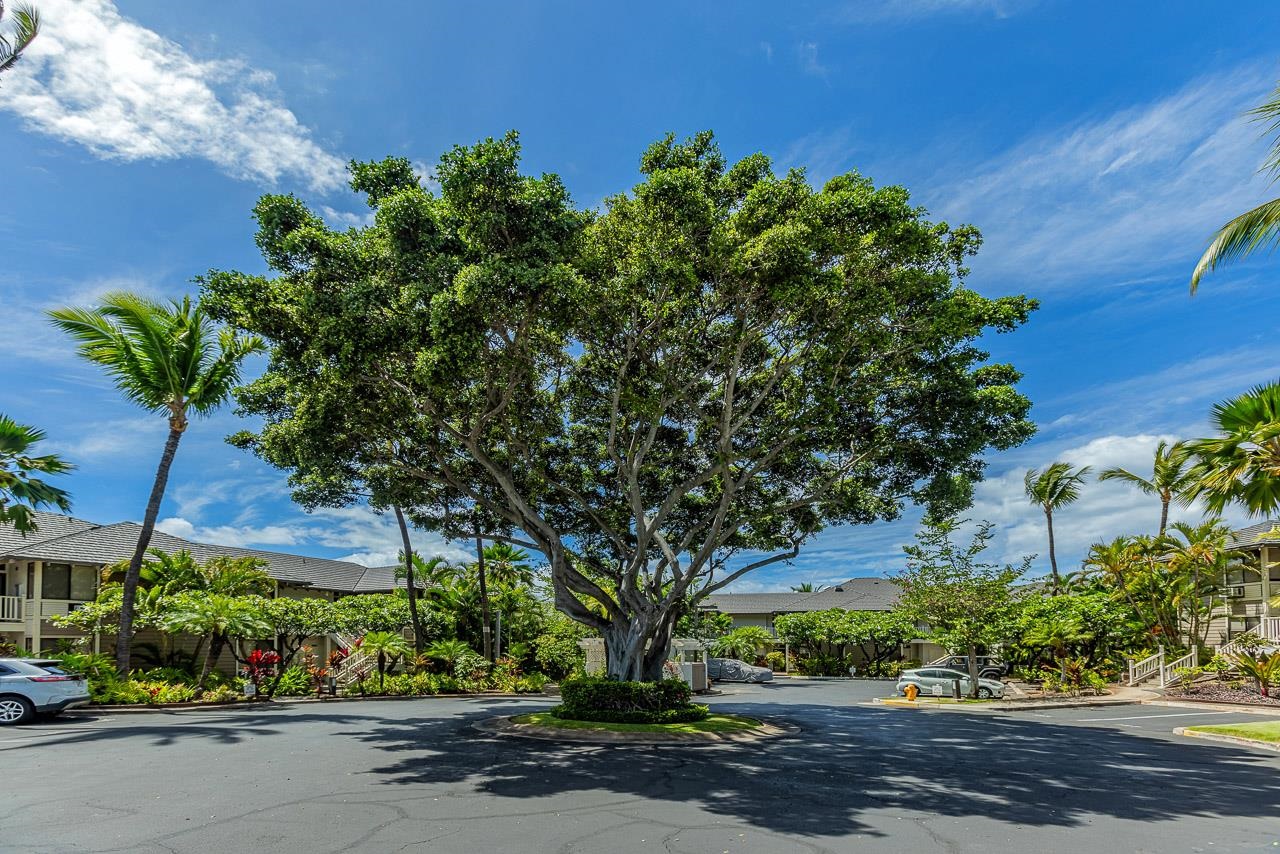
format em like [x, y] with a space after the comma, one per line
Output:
[507, 565]
[449, 651]
[1052, 489]
[26, 26]
[1254, 229]
[387, 646]
[1242, 463]
[20, 493]
[167, 358]
[1199, 558]
[407, 559]
[1058, 634]
[216, 617]
[1169, 479]
[807, 587]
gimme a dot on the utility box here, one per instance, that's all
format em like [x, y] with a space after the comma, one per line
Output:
[695, 675]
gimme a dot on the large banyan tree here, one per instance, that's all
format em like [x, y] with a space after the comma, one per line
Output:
[659, 396]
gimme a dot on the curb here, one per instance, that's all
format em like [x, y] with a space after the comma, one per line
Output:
[1227, 739]
[505, 726]
[1242, 708]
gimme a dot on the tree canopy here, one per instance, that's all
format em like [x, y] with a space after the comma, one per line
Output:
[658, 396]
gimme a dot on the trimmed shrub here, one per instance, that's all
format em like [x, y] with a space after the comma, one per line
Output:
[694, 712]
[591, 699]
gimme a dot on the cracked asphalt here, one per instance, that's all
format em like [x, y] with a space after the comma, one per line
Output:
[412, 776]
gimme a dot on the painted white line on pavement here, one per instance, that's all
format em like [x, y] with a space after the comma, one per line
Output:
[1142, 717]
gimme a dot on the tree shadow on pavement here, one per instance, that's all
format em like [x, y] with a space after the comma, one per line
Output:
[847, 761]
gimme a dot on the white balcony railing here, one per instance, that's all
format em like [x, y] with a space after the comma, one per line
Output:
[11, 609]
[1270, 628]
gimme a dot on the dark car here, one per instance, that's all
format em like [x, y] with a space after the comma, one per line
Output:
[989, 666]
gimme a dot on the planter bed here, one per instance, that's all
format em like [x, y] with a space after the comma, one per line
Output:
[1221, 694]
[262, 701]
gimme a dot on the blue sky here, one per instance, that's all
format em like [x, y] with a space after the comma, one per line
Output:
[1096, 145]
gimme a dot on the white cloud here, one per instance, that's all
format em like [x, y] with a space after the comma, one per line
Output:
[1131, 191]
[375, 539]
[113, 439]
[244, 536]
[123, 91]
[807, 53]
[822, 154]
[346, 219]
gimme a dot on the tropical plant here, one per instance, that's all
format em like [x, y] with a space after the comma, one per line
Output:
[26, 26]
[218, 618]
[746, 642]
[450, 652]
[20, 492]
[1256, 228]
[1199, 557]
[1169, 481]
[807, 587]
[1240, 465]
[167, 358]
[1052, 489]
[1059, 636]
[386, 647]
[722, 362]
[293, 622]
[1263, 669]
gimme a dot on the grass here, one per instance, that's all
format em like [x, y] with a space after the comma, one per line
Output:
[713, 723]
[1268, 731]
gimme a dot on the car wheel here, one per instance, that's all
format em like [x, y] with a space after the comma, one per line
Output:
[984, 694]
[15, 710]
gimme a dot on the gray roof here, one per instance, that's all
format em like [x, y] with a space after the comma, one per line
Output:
[1259, 534]
[61, 539]
[856, 594]
[49, 526]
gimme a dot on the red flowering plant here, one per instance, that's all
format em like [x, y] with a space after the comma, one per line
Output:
[260, 664]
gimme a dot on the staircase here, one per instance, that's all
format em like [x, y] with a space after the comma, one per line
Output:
[1160, 670]
[356, 661]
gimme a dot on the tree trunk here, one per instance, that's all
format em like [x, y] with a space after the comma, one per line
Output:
[486, 629]
[636, 650]
[215, 650]
[1164, 514]
[1053, 558]
[124, 640]
[414, 619]
[973, 671]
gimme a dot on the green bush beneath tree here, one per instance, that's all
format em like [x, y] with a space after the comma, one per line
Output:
[610, 701]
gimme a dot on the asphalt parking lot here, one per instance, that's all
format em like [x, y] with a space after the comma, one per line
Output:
[412, 776]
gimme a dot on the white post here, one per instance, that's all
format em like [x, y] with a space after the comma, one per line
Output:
[37, 607]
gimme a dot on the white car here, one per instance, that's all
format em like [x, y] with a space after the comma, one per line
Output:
[37, 686]
[935, 681]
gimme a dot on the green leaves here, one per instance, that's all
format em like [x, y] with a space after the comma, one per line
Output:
[658, 396]
[20, 492]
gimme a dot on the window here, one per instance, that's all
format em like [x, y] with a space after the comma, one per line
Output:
[84, 583]
[1244, 576]
[57, 581]
[1273, 573]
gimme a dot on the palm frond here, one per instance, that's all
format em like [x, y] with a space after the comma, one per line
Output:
[1240, 237]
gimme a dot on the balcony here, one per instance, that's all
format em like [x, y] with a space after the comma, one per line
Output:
[11, 610]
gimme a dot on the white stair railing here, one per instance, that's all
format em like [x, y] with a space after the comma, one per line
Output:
[1191, 659]
[1141, 671]
[357, 660]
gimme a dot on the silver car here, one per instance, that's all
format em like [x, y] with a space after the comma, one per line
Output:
[36, 686]
[939, 681]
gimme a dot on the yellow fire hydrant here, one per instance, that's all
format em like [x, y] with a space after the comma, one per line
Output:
[911, 691]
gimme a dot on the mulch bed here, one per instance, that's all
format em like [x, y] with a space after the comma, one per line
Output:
[1210, 693]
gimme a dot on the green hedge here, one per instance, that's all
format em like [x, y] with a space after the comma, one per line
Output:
[608, 701]
[688, 714]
